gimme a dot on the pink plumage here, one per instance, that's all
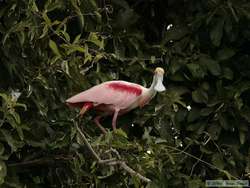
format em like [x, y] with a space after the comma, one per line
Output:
[120, 94]
[114, 97]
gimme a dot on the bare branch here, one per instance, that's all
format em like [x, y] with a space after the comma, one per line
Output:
[132, 172]
[88, 144]
[112, 161]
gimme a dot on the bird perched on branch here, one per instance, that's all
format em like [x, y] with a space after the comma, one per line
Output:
[116, 97]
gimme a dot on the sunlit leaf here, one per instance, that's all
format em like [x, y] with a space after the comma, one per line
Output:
[54, 48]
[97, 40]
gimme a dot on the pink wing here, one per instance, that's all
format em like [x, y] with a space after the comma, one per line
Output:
[121, 94]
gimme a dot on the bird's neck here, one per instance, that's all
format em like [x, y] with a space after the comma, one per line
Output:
[151, 91]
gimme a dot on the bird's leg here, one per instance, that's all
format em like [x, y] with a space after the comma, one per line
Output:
[114, 118]
[85, 108]
[97, 122]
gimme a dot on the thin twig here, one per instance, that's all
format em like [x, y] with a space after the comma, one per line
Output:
[106, 161]
[200, 160]
[132, 172]
[195, 164]
[88, 144]
[116, 152]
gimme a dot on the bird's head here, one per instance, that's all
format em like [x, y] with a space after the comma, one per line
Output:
[158, 79]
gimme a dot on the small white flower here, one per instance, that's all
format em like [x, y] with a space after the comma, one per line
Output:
[149, 152]
[181, 145]
[176, 137]
[15, 95]
[169, 26]
[132, 125]
[189, 108]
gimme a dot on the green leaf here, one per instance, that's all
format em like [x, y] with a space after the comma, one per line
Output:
[216, 33]
[224, 122]
[52, 5]
[214, 131]
[16, 117]
[21, 105]
[206, 111]
[199, 96]
[97, 40]
[65, 35]
[54, 48]
[6, 98]
[245, 113]
[175, 33]
[98, 57]
[218, 161]
[1, 149]
[119, 48]
[77, 39]
[195, 183]
[125, 18]
[193, 115]
[121, 3]
[197, 127]
[227, 73]
[73, 48]
[46, 19]
[14, 144]
[78, 12]
[225, 54]
[196, 70]
[120, 132]
[33, 7]
[41, 144]
[175, 66]
[44, 32]
[205, 150]
[20, 132]
[242, 135]
[3, 172]
[211, 65]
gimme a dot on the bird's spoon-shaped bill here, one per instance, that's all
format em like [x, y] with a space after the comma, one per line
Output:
[159, 85]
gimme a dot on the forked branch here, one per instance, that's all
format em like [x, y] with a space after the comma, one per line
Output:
[112, 161]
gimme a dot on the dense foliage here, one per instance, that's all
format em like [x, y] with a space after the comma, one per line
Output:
[52, 49]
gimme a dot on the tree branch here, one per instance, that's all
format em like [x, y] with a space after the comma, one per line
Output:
[42, 161]
[88, 144]
[113, 161]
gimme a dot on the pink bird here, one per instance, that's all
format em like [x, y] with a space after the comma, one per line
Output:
[116, 97]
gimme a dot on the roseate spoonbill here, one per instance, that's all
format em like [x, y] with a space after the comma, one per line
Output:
[116, 97]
